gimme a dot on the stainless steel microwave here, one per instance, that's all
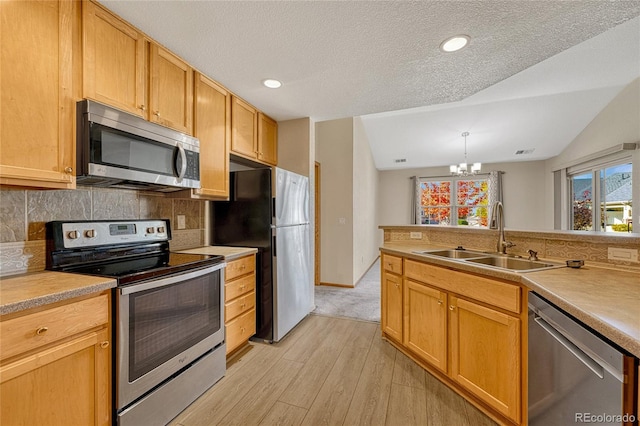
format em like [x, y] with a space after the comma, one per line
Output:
[118, 149]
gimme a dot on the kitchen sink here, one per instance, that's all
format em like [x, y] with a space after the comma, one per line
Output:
[515, 264]
[453, 254]
[492, 260]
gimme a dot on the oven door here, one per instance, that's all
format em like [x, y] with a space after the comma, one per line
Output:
[163, 325]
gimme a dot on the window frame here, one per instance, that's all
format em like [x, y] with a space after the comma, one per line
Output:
[453, 198]
[595, 167]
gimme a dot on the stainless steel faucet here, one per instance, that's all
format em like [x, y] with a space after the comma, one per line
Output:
[497, 222]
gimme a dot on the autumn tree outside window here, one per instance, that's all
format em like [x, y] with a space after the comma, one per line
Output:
[455, 201]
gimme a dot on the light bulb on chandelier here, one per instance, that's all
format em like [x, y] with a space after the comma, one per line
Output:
[462, 169]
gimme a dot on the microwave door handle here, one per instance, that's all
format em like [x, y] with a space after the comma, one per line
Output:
[183, 157]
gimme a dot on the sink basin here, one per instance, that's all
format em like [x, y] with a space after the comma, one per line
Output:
[453, 254]
[520, 265]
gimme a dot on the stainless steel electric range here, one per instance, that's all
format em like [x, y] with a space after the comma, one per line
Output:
[168, 312]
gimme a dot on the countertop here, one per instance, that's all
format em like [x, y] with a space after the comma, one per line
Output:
[605, 299]
[229, 253]
[28, 291]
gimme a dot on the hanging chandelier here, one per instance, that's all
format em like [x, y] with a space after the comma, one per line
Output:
[463, 169]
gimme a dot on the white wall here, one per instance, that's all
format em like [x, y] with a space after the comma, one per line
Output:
[334, 152]
[366, 235]
[524, 193]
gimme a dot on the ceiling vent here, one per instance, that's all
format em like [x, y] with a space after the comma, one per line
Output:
[524, 151]
[400, 160]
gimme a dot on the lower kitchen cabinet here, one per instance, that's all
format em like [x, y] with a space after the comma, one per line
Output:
[240, 302]
[485, 354]
[465, 328]
[55, 366]
[425, 323]
[391, 316]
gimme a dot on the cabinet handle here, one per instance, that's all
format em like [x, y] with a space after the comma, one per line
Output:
[142, 107]
[243, 267]
[439, 302]
[105, 344]
[41, 331]
[451, 307]
[68, 170]
[157, 114]
[241, 330]
[397, 285]
[242, 306]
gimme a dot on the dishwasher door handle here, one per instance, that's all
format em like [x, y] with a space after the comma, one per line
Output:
[571, 347]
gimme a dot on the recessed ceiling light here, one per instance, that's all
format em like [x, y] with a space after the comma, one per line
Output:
[455, 43]
[271, 83]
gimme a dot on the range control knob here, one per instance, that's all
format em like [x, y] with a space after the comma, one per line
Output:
[150, 230]
[90, 233]
[160, 229]
[72, 235]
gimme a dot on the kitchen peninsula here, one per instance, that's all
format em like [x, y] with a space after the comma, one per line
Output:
[487, 306]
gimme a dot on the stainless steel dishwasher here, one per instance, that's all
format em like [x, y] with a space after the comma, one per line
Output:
[574, 375]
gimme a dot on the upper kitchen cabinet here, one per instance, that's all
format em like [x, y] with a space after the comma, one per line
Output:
[253, 134]
[267, 139]
[244, 135]
[115, 72]
[114, 61]
[212, 127]
[170, 90]
[36, 84]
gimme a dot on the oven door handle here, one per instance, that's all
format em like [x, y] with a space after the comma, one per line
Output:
[162, 282]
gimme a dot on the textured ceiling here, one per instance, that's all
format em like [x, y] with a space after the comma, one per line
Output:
[352, 58]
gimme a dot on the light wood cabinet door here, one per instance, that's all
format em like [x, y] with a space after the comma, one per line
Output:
[267, 140]
[212, 126]
[55, 366]
[392, 305]
[244, 136]
[113, 61]
[67, 384]
[37, 108]
[171, 90]
[485, 354]
[425, 323]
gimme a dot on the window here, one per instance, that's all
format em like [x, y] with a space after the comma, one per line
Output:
[602, 198]
[462, 202]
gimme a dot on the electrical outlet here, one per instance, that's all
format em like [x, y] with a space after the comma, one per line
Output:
[626, 255]
[416, 235]
[182, 221]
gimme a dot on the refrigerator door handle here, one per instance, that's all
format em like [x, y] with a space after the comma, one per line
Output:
[273, 246]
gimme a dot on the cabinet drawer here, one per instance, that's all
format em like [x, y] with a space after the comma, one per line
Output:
[494, 292]
[30, 331]
[239, 267]
[240, 329]
[239, 286]
[392, 263]
[237, 306]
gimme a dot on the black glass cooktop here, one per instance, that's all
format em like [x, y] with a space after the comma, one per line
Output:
[134, 269]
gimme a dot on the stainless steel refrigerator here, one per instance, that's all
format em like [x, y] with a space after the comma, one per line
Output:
[269, 209]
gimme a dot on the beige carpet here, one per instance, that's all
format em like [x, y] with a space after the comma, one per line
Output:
[361, 302]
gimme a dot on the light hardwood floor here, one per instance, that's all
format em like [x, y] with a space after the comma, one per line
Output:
[329, 371]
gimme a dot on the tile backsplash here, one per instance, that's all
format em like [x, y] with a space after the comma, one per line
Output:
[23, 214]
[553, 245]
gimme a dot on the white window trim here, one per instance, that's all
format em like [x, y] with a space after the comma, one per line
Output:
[453, 215]
[594, 166]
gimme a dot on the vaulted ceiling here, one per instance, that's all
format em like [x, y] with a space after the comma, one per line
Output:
[533, 76]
